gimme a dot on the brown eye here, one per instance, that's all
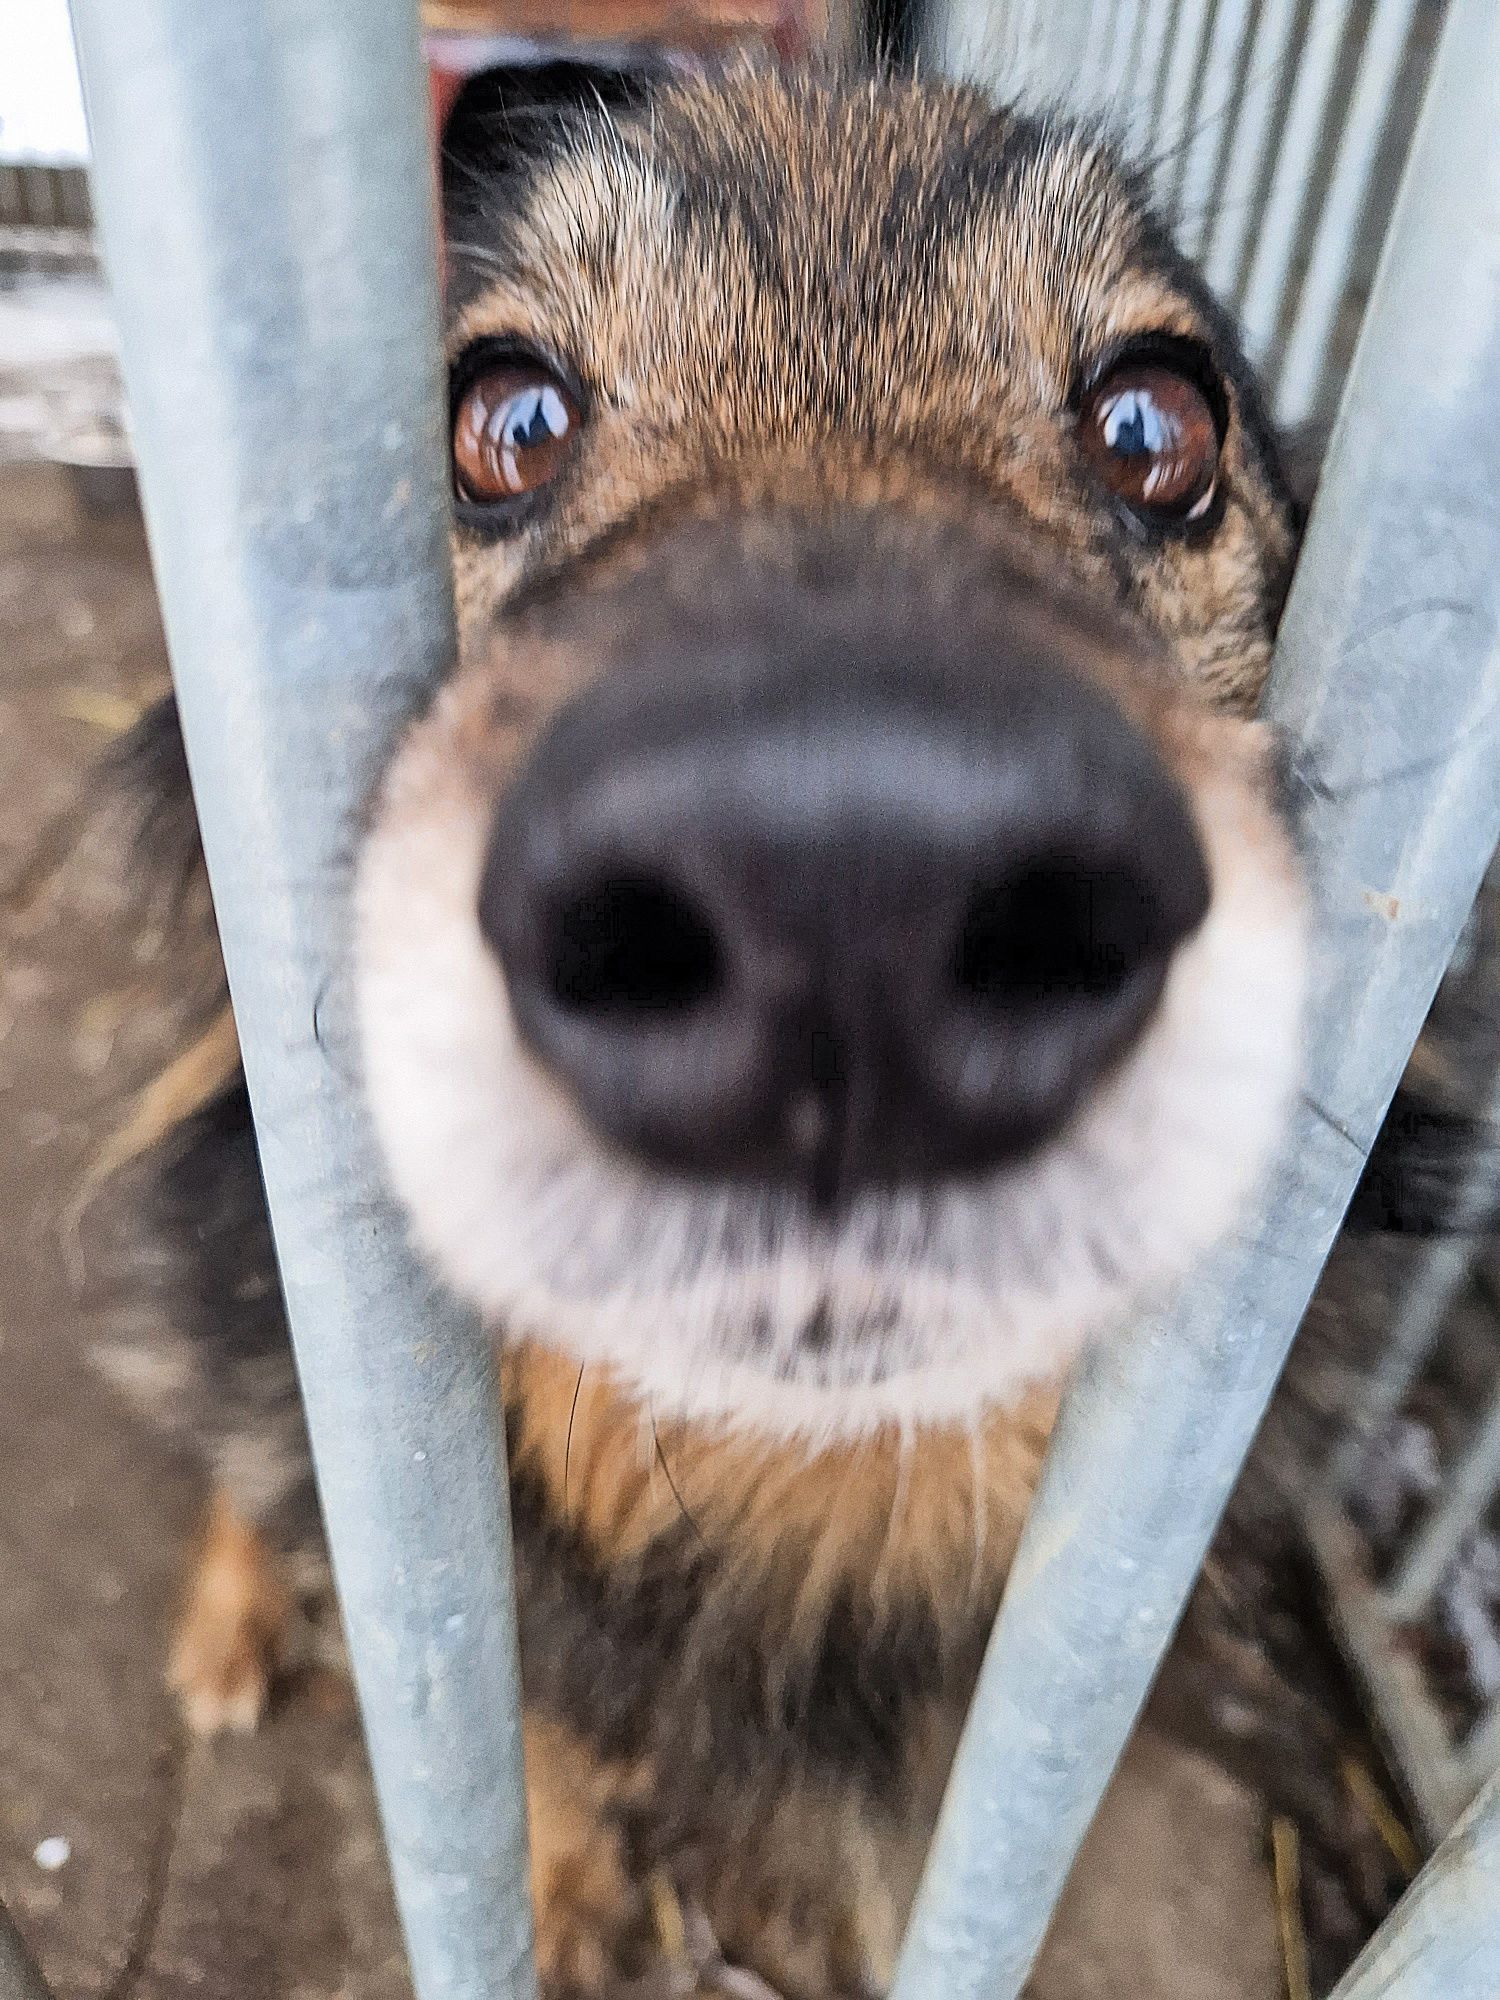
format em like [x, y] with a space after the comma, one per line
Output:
[512, 429]
[1150, 436]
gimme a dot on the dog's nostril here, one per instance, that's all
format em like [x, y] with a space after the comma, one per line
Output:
[631, 945]
[1058, 928]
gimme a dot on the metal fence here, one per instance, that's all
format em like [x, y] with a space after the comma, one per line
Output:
[294, 487]
[1271, 130]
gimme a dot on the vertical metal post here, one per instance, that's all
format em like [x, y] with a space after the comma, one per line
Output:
[1442, 1942]
[1467, 1493]
[1161, 18]
[263, 186]
[1060, 38]
[1096, 53]
[1279, 224]
[1424, 1307]
[1337, 234]
[1247, 161]
[1133, 79]
[1180, 101]
[1388, 682]
[1122, 80]
[1480, 1756]
[1210, 136]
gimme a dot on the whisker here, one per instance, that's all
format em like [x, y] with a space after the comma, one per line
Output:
[568, 1445]
[661, 1458]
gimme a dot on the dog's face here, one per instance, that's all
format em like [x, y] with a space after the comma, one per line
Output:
[832, 944]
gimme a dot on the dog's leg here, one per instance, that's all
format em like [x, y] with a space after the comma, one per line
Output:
[234, 1628]
[596, 1926]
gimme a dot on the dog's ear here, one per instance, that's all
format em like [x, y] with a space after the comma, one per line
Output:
[501, 129]
[505, 122]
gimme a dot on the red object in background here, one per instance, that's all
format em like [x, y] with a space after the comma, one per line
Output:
[443, 86]
[463, 37]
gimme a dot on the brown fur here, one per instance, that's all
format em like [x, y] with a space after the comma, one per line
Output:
[233, 1631]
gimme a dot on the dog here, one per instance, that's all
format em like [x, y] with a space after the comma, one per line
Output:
[834, 946]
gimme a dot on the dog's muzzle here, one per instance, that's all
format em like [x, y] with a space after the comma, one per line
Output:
[815, 884]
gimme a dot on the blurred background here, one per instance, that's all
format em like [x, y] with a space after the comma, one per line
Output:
[1312, 1734]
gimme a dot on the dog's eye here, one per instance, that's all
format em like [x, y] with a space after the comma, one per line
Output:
[1150, 436]
[512, 428]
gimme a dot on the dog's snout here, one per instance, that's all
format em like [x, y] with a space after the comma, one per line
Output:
[838, 928]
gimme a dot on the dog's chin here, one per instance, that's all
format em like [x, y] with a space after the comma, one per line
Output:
[739, 1306]
[874, 1346]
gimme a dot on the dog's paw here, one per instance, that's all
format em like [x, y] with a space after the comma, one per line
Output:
[233, 1633]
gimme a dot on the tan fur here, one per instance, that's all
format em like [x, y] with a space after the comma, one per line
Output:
[933, 1516]
[191, 1080]
[964, 345]
[806, 1904]
[232, 1634]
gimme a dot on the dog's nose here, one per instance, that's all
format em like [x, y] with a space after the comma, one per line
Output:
[838, 929]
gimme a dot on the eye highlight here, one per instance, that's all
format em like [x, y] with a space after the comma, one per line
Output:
[1152, 438]
[514, 424]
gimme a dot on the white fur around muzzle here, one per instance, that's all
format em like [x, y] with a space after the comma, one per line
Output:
[932, 1303]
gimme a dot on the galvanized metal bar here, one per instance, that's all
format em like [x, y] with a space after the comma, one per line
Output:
[1181, 103]
[1424, 1308]
[1121, 82]
[1019, 22]
[1405, 1708]
[1480, 1754]
[1388, 683]
[1279, 225]
[1468, 1491]
[1247, 163]
[1335, 240]
[19, 1977]
[1443, 1940]
[1161, 15]
[1058, 46]
[1096, 52]
[263, 187]
[1132, 87]
[1210, 137]
[975, 38]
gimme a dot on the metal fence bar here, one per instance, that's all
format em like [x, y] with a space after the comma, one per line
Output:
[1121, 83]
[1441, 1942]
[1247, 161]
[1180, 101]
[1480, 1754]
[1468, 1491]
[262, 180]
[19, 1978]
[1278, 226]
[1155, 43]
[1210, 139]
[1096, 52]
[1424, 1307]
[1059, 52]
[1388, 682]
[1123, 93]
[1336, 237]
[1406, 1712]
